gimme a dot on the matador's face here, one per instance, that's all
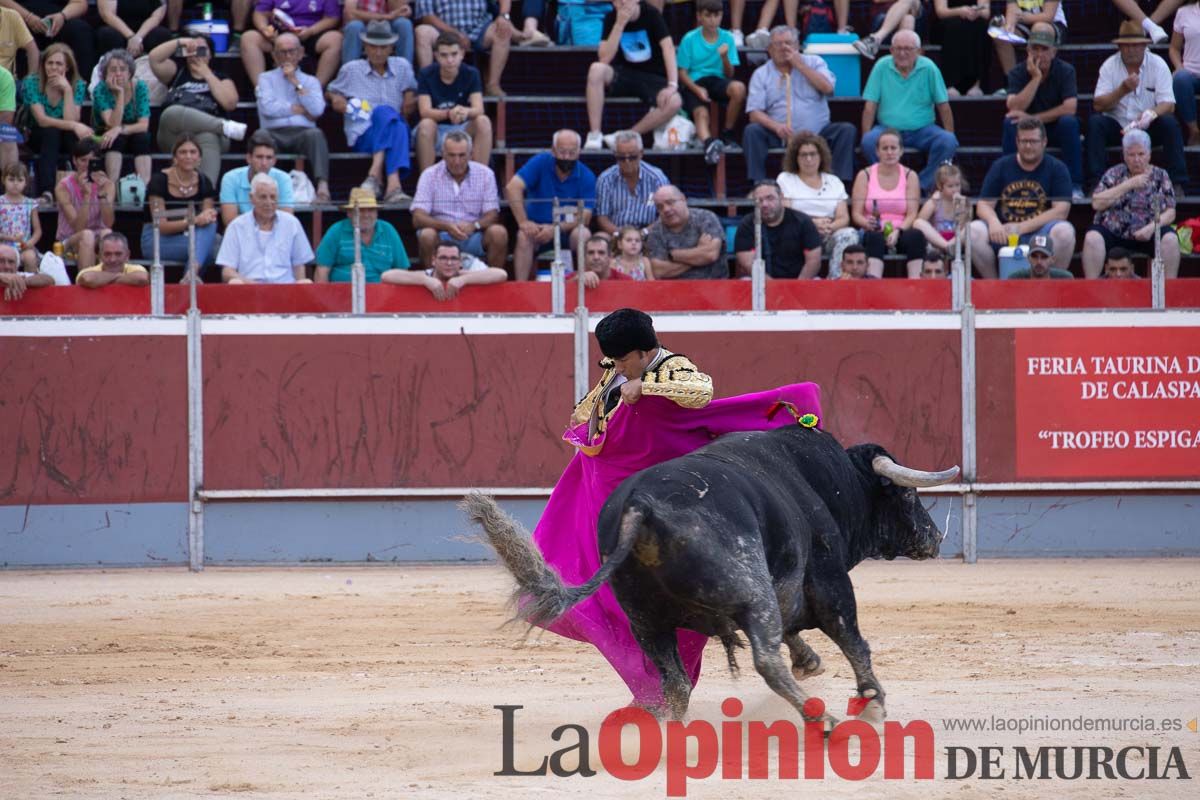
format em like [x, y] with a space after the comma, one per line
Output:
[633, 364]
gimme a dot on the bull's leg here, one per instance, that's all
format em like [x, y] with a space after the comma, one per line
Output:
[836, 613]
[805, 662]
[662, 648]
[765, 631]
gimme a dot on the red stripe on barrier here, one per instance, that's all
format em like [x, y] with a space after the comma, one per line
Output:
[1027, 294]
[300, 298]
[510, 298]
[864, 295]
[665, 295]
[67, 301]
[662, 296]
[1183, 293]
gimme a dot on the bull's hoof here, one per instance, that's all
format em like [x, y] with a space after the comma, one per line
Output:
[810, 670]
[828, 724]
[873, 713]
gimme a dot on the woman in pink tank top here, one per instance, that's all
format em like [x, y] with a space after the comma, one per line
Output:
[884, 204]
[85, 205]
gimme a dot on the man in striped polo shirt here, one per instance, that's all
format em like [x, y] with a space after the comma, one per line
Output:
[624, 192]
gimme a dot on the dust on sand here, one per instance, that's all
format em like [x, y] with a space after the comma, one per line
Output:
[381, 681]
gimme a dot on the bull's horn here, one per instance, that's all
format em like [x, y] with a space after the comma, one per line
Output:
[906, 476]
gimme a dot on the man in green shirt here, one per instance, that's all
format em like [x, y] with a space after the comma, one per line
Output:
[1041, 262]
[380, 244]
[902, 93]
[9, 138]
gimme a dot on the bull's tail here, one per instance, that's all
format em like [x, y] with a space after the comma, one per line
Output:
[541, 596]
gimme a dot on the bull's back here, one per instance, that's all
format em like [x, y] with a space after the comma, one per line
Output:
[743, 484]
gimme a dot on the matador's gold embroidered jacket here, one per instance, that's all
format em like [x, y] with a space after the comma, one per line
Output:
[670, 375]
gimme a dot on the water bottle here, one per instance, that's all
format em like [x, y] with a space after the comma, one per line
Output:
[206, 12]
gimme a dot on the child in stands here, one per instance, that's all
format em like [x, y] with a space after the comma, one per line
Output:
[629, 258]
[707, 57]
[19, 224]
[939, 218]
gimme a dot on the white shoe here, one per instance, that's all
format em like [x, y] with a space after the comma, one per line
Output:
[1005, 35]
[759, 39]
[610, 141]
[233, 130]
[536, 39]
[1154, 31]
[595, 141]
[739, 39]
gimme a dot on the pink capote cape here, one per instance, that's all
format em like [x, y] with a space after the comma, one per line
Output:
[649, 432]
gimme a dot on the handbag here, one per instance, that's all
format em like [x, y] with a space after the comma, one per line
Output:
[178, 96]
[131, 191]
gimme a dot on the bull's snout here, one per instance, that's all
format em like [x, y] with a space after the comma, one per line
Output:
[928, 543]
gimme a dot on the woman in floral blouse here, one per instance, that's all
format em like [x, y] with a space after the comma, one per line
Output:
[1124, 203]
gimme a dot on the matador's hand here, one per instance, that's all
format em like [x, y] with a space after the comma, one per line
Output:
[631, 391]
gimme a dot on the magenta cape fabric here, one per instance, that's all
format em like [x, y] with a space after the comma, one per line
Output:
[647, 433]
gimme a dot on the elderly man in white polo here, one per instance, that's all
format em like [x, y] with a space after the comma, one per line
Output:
[263, 245]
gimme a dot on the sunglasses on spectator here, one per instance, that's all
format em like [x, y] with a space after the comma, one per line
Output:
[633, 157]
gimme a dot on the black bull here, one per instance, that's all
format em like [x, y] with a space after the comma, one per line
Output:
[755, 532]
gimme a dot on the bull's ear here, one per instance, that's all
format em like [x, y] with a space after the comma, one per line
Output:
[885, 481]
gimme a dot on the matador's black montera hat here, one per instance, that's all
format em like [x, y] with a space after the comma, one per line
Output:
[626, 330]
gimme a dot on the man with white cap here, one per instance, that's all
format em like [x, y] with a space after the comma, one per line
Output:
[1041, 262]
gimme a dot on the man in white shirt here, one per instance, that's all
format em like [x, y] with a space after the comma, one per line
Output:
[1134, 91]
[14, 282]
[263, 245]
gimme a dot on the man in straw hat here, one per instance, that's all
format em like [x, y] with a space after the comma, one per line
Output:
[374, 96]
[379, 243]
[1134, 91]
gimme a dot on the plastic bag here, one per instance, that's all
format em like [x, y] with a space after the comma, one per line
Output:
[676, 134]
[56, 268]
[303, 192]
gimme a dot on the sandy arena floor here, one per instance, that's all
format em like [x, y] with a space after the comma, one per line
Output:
[380, 682]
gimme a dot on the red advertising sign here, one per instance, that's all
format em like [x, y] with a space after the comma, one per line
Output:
[1108, 403]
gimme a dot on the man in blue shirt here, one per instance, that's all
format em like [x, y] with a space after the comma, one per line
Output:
[450, 98]
[531, 194]
[289, 104]
[235, 184]
[1023, 196]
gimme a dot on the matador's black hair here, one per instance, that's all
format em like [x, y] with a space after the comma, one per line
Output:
[626, 330]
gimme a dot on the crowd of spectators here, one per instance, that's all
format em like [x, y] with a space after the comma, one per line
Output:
[394, 72]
